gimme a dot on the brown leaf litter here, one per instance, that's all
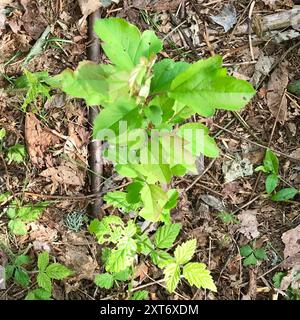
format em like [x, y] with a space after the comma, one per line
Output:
[38, 141]
[249, 224]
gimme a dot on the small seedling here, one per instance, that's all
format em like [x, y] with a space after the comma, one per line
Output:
[252, 255]
[140, 295]
[290, 293]
[271, 168]
[228, 218]
[107, 280]
[17, 271]
[16, 153]
[19, 214]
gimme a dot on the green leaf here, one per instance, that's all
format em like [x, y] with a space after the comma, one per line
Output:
[245, 251]
[261, 168]
[88, 81]
[133, 192]
[58, 271]
[184, 252]
[164, 73]
[161, 258]
[119, 260]
[166, 235]
[271, 182]
[118, 200]
[154, 199]
[31, 212]
[140, 295]
[104, 280]
[44, 281]
[123, 275]
[172, 276]
[271, 162]
[285, 194]
[205, 86]
[21, 277]
[21, 260]
[38, 294]
[154, 114]
[144, 244]
[4, 197]
[16, 153]
[173, 199]
[277, 278]
[295, 88]
[107, 123]
[196, 134]
[260, 254]
[197, 274]
[124, 44]
[18, 227]
[250, 260]
[9, 271]
[43, 260]
[2, 133]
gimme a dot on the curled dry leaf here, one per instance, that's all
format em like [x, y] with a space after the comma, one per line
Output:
[249, 224]
[291, 239]
[276, 98]
[38, 140]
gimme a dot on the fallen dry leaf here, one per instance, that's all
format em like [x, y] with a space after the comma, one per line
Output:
[66, 174]
[141, 271]
[89, 6]
[78, 259]
[291, 239]
[275, 97]
[38, 140]
[249, 224]
[156, 5]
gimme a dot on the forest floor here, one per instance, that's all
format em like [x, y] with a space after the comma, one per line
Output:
[56, 133]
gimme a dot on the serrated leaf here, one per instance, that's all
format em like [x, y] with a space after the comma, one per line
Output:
[17, 227]
[173, 199]
[285, 194]
[119, 260]
[44, 281]
[184, 252]
[246, 250]
[140, 295]
[21, 277]
[166, 235]
[271, 162]
[58, 271]
[38, 294]
[16, 153]
[204, 86]
[123, 275]
[4, 197]
[161, 258]
[144, 244]
[154, 199]
[9, 271]
[118, 199]
[272, 181]
[124, 44]
[172, 276]
[88, 82]
[43, 260]
[104, 280]
[277, 278]
[197, 275]
[250, 260]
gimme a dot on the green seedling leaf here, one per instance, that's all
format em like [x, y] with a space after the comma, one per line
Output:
[245, 251]
[250, 260]
[295, 88]
[277, 278]
[17, 227]
[172, 276]
[38, 294]
[184, 252]
[104, 280]
[285, 194]
[123, 275]
[2, 133]
[21, 277]
[197, 274]
[118, 199]
[16, 153]
[44, 281]
[21, 260]
[260, 254]
[227, 217]
[272, 181]
[161, 258]
[124, 44]
[166, 235]
[57, 271]
[43, 260]
[271, 162]
[140, 295]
